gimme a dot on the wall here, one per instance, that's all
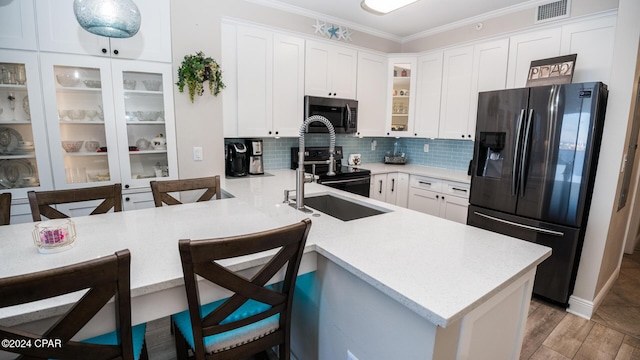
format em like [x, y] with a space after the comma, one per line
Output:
[446, 154]
[195, 26]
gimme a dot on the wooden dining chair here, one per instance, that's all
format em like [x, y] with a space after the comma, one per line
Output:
[104, 278]
[41, 201]
[256, 317]
[161, 189]
[5, 208]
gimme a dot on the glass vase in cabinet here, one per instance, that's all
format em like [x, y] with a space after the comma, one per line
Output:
[24, 163]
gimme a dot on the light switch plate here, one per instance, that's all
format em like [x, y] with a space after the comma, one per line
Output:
[197, 153]
[426, 148]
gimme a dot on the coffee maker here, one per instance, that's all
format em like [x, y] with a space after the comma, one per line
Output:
[255, 165]
[236, 159]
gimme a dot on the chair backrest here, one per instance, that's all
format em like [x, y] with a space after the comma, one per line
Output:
[104, 278]
[160, 189]
[5, 208]
[199, 258]
[41, 201]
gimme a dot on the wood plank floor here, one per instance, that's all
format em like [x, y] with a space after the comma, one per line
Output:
[612, 333]
[552, 333]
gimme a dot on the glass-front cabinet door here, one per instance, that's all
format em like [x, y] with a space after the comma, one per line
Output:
[402, 95]
[81, 122]
[145, 122]
[23, 143]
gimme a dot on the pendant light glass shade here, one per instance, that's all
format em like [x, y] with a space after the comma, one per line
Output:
[110, 18]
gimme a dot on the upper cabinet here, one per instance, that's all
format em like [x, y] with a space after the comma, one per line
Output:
[429, 83]
[17, 25]
[457, 71]
[530, 46]
[109, 121]
[59, 31]
[24, 161]
[593, 42]
[372, 94]
[330, 70]
[401, 95]
[264, 97]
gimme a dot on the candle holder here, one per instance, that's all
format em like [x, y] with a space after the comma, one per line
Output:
[54, 236]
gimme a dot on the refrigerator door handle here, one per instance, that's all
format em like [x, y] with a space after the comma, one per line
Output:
[525, 149]
[514, 172]
[533, 228]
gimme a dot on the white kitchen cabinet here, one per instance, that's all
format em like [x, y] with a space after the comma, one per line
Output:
[457, 73]
[136, 201]
[527, 47]
[372, 94]
[446, 199]
[24, 160]
[59, 31]
[401, 96]
[391, 188]
[121, 114]
[330, 70]
[429, 86]
[593, 41]
[266, 98]
[18, 25]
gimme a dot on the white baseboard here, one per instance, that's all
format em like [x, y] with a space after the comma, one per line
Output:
[585, 308]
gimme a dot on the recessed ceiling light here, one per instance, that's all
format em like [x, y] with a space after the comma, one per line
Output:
[381, 7]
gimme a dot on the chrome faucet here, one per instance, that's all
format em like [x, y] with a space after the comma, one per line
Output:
[300, 177]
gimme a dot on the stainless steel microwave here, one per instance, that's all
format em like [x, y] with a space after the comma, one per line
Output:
[342, 113]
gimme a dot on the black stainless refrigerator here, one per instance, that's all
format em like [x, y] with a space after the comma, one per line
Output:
[533, 169]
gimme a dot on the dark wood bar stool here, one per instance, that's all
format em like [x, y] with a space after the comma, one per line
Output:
[41, 201]
[5, 208]
[256, 317]
[161, 189]
[104, 278]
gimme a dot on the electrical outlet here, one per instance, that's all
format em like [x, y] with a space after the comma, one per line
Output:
[197, 153]
[374, 144]
[350, 356]
[426, 147]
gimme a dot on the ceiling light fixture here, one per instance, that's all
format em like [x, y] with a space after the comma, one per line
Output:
[382, 7]
[110, 18]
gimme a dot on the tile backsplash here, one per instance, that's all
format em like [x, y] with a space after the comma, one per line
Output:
[447, 154]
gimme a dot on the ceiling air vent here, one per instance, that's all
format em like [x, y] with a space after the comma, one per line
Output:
[553, 11]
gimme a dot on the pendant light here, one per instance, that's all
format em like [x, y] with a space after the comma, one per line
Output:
[110, 18]
[382, 7]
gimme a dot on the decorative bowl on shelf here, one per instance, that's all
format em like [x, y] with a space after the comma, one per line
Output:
[149, 115]
[72, 146]
[94, 84]
[92, 146]
[67, 80]
[63, 114]
[76, 114]
[152, 85]
[129, 84]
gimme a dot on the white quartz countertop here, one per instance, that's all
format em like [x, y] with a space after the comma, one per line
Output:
[444, 174]
[438, 268]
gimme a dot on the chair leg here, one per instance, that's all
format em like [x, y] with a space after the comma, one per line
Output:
[182, 348]
[144, 355]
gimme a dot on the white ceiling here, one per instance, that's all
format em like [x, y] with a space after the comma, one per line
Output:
[420, 17]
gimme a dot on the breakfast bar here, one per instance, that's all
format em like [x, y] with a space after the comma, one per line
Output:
[414, 285]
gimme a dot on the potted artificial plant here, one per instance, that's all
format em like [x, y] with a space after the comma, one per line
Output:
[195, 70]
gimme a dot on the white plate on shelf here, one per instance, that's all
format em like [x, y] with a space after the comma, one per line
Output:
[9, 140]
[12, 171]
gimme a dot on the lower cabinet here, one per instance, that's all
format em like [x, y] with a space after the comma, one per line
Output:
[135, 201]
[442, 198]
[392, 188]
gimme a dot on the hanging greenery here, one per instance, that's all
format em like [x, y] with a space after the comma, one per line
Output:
[195, 70]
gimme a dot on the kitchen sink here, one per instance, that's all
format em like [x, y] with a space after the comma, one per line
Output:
[342, 208]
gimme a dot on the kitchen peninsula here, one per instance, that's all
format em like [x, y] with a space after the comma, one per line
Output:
[397, 285]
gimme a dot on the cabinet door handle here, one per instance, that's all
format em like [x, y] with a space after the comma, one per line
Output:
[459, 189]
[380, 191]
[126, 186]
[104, 51]
[393, 185]
[424, 183]
[437, 196]
[127, 199]
[116, 52]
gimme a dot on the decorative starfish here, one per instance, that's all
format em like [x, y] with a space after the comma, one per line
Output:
[346, 34]
[340, 33]
[333, 31]
[321, 27]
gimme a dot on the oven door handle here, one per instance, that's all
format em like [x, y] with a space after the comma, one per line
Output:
[341, 181]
